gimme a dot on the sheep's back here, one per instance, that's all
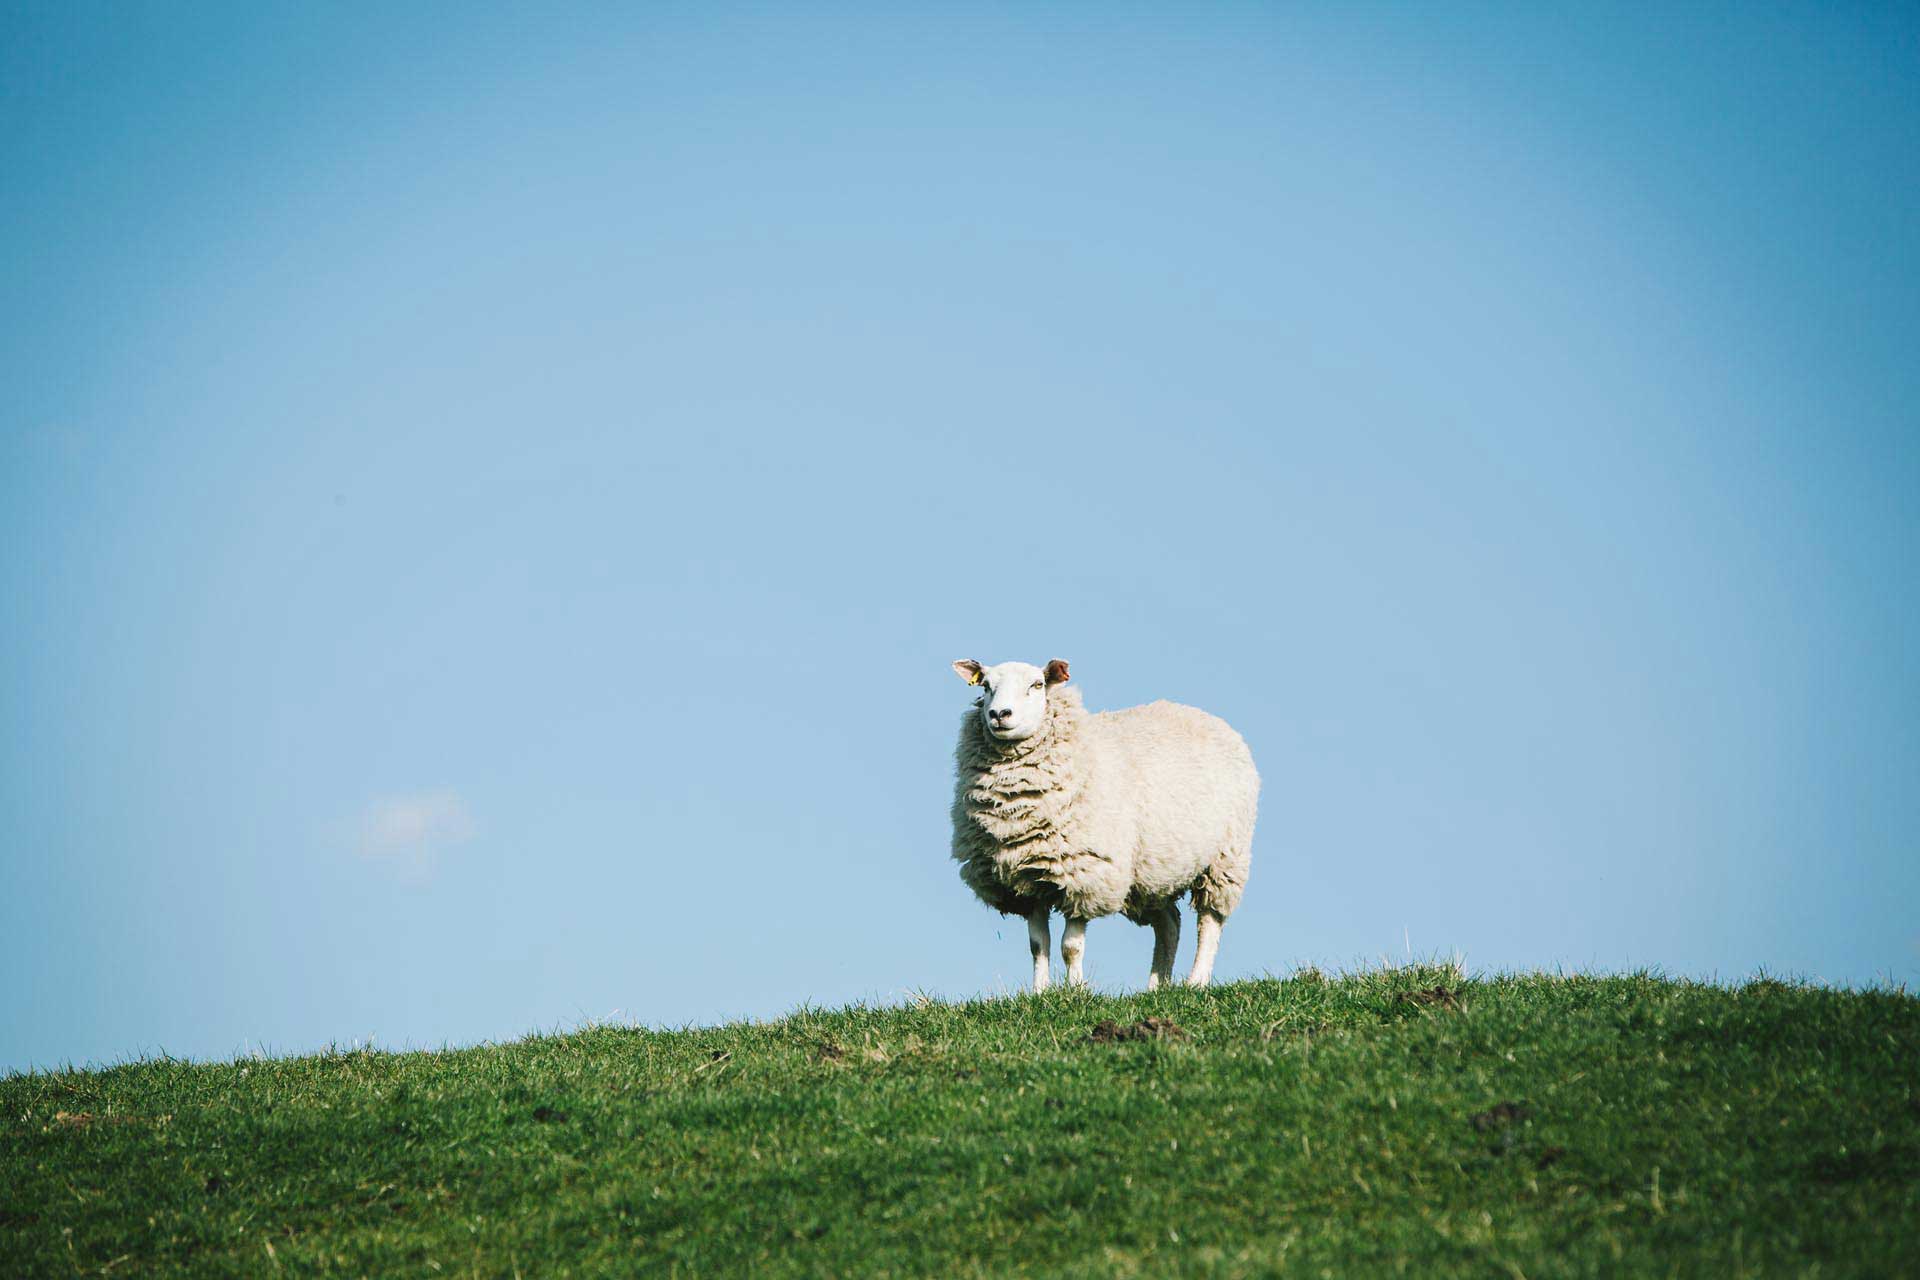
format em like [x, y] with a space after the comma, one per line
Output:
[1186, 781]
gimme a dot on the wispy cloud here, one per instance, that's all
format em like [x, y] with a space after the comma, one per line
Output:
[410, 832]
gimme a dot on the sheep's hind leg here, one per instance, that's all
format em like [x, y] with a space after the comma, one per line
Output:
[1206, 931]
[1166, 941]
[1073, 945]
[1040, 942]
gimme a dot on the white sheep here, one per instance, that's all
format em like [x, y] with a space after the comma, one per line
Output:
[1089, 814]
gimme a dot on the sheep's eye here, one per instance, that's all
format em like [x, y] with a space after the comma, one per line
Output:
[1039, 684]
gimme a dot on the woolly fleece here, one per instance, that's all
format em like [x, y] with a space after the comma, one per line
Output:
[1114, 811]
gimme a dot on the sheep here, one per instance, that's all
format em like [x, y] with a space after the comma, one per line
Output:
[1056, 808]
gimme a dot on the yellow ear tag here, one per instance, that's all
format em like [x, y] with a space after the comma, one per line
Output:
[976, 678]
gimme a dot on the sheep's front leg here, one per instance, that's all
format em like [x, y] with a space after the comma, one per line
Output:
[1206, 930]
[1073, 945]
[1040, 942]
[1166, 941]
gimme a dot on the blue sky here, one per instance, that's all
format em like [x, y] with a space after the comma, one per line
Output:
[488, 499]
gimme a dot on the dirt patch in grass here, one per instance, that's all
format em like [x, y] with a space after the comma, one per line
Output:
[1109, 1031]
[1501, 1115]
[1501, 1123]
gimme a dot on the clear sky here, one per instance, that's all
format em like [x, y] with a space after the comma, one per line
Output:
[488, 499]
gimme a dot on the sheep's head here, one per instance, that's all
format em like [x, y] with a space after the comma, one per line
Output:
[1013, 701]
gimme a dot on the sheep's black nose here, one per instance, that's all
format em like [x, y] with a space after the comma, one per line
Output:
[1001, 714]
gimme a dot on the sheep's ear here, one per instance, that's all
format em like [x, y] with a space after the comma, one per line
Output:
[1057, 671]
[969, 670]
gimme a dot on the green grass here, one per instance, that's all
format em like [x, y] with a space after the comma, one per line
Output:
[1405, 1121]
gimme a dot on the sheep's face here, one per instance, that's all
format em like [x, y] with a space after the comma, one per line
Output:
[1013, 699]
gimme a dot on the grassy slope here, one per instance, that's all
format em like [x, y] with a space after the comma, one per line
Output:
[1304, 1125]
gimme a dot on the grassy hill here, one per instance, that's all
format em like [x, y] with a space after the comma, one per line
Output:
[1405, 1121]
